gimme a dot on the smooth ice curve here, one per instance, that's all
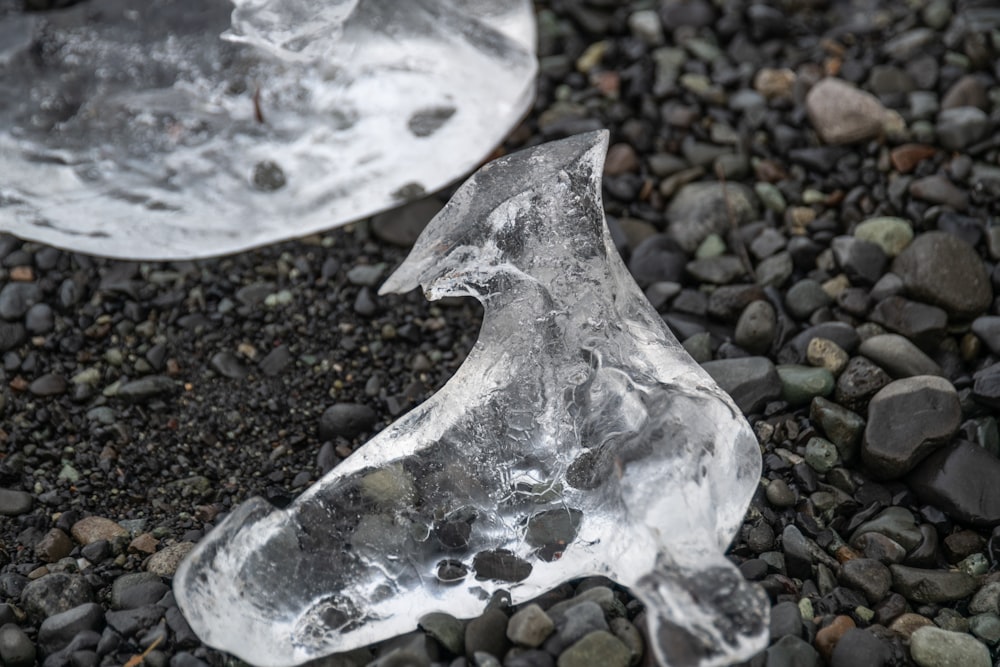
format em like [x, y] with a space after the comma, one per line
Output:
[577, 439]
[193, 128]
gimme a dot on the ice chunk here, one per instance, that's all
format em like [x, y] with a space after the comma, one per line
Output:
[578, 438]
[192, 128]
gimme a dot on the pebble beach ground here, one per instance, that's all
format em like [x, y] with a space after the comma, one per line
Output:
[807, 190]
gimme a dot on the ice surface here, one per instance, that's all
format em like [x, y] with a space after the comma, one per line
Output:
[189, 128]
[578, 438]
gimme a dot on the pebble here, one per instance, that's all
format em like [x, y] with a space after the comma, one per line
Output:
[227, 364]
[907, 420]
[889, 233]
[530, 626]
[576, 622]
[786, 620]
[94, 528]
[920, 323]
[54, 593]
[164, 562]
[934, 647]
[960, 127]
[863, 262]
[756, 327]
[16, 648]
[806, 297]
[829, 636]
[347, 420]
[800, 384]
[57, 631]
[896, 523]
[15, 503]
[596, 648]
[844, 114]
[446, 630]
[986, 600]
[16, 298]
[937, 189]
[700, 209]
[790, 651]
[54, 546]
[868, 576]
[826, 354]
[751, 381]
[942, 270]
[986, 627]
[146, 388]
[841, 426]
[860, 648]
[931, 586]
[907, 624]
[401, 226]
[898, 356]
[657, 259]
[858, 383]
[960, 479]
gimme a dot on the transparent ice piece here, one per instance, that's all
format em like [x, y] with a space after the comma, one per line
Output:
[192, 128]
[577, 439]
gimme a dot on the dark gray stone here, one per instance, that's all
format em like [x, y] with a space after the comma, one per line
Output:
[54, 593]
[942, 270]
[960, 479]
[16, 298]
[860, 648]
[57, 631]
[146, 388]
[791, 651]
[16, 648]
[898, 356]
[751, 381]
[858, 383]
[14, 503]
[345, 420]
[868, 576]
[861, 261]
[786, 620]
[931, 586]
[907, 420]
[923, 324]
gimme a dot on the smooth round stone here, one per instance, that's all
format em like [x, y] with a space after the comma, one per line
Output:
[986, 627]
[863, 262]
[791, 651]
[446, 630]
[16, 298]
[961, 480]
[227, 364]
[881, 548]
[58, 630]
[699, 346]
[937, 189]
[779, 494]
[657, 259]
[775, 270]
[840, 333]
[942, 270]
[786, 620]
[94, 528]
[700, 209]
[987, 328]
[931, 586]
[164, 563]
[889, 233]
[576, 622]
[770, 196]
[806, 297]
[898, 356]
[934, 647]
[859, 648]
[346, 420]
[843, 114]
[16, 648]
[751, 381]
[756, 327]
[596, 648]
[800, 384]
[907, 420]
[821, 455]
[39, 319]
[986, 600]
[14, 503]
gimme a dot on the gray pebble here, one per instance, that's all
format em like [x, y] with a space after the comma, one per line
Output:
[57, 631]
[16, 298]
[756, 327]
[345, 420]
[934, 647]
[751, 381]
[931, 586]
[791, 651]
[55, 593]
[898, 356]
[16, 649]
[14, 503]
[530, 626]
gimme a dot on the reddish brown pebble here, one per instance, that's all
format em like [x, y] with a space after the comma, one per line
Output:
[905, 158]
[144, 544]
[827, 638]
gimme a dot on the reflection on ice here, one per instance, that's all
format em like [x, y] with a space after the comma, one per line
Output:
[577, 439]
[134, 130]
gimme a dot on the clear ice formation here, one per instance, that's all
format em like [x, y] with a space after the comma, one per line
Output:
[190, 128]
[577, 439]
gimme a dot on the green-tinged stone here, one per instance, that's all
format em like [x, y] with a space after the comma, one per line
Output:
[889, 233]
[842, 427]
[800, 384]
[712, 246]
[821, 454]
[446, 630]
[974, 565]
[597, 648]
[770, 196]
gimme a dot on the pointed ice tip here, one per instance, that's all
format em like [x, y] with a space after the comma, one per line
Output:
[405, 278]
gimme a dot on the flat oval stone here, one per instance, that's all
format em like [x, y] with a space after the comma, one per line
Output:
[931, 586]
[960, 479]
[751, 381]
[898, 356]
[800, 384]
[934, 647]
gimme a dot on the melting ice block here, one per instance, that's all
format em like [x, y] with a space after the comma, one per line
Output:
[578, 438]
[190, 128]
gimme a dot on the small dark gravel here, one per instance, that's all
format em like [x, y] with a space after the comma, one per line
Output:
[807, 191]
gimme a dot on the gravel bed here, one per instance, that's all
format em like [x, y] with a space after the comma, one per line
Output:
[807, 191]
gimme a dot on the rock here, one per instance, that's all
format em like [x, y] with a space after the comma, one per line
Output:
[700, 209]
[146, 388]
[986, 627]
[937, 189]
[58, 630]
[791, 651]
[530, 626]
[824, 353]
[907, 624]
[165, 561]
[960, 127]
[16, 298]
[800, 384]
[890, 234]
[401, 226]
[881, 548]
[860, 648]
[907, 420]
[934, 647]
[719, 270]
[868, 576]
[931, 586]
[227, 364]
[841, 426]
[942, 270]
[137, 589]
[863, 262]
[786, 620]
[986, 386]
[446, 630]
[54, 593]
[960, 479]
[93, 528]
[898, 356]
[597, 648]
[14, 503]
[858, 383]
[806, 297]
[751, 381]
[987, 328]
[756, 327]
[829, 636]
[896, 523]
[487, 633]
[968, 91]
[346, 420]
[657, 259]
[821, 455]
[54, 546]
[905, 159]
[986, 600]
[924, 325]
[50, 384]
[843, 114]
[576, 622]
[844, 335]
[16, 648]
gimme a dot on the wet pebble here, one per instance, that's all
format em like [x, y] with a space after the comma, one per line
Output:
[934, 647]
[942, 270]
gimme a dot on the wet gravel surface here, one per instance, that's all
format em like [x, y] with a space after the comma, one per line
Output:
[808, 191]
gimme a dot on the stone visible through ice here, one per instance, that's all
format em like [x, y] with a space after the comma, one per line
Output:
[189, 128]
[578, 438]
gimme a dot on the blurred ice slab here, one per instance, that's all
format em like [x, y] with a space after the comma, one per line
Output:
[191, 128]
